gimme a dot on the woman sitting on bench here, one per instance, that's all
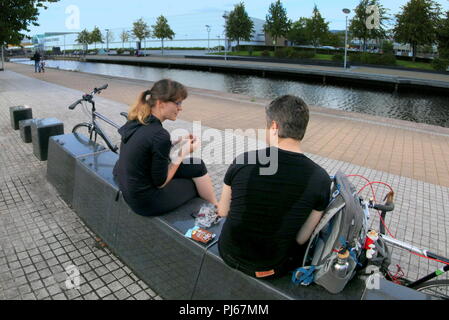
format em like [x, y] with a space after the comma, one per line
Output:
[152, 181]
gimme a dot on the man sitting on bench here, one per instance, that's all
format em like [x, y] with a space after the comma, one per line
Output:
[270, 218]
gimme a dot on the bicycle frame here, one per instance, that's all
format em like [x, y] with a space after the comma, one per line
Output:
[403, 245]
[97, 128]
[425, 253]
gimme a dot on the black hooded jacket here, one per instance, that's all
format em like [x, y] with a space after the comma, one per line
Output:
[143, 163]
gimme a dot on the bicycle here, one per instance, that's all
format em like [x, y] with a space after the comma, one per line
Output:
[93, 127]
[437, 288]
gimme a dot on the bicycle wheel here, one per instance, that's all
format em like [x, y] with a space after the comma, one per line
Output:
[91, 134]
[438, 289]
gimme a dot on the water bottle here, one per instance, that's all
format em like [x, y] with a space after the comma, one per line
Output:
[340, 268]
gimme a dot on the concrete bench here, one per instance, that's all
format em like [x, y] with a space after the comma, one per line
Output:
[19, 113]
[63, 150]
[25, 130]
[41, 131]
[156, 249]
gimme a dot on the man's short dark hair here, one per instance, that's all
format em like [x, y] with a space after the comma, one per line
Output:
[291, 113]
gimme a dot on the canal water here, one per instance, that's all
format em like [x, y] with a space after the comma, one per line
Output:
[416, 107]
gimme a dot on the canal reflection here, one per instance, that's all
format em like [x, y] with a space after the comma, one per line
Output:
[423, 108]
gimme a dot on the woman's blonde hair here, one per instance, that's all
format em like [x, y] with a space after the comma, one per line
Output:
[164, 90]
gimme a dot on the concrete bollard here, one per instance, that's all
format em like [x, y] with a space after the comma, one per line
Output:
[41, 131]
[19, 113]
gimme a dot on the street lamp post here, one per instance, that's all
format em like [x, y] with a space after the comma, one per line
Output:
[3, 59]
[208, 37]
[346, 12]
[107, 41]
[225, 16]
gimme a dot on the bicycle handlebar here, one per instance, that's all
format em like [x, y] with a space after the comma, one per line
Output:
[73, 105]
[101, 88]
[88, 97]
[387, 207]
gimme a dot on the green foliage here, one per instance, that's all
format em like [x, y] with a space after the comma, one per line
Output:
[124, 37]
[250, 50]
[84, 38]
[358, 26]
[417, 23]
[443, 37]
[317, 28]
[277, 23]
[372, 58]
[298, 32]
[16, 16]
[440, 64]
[336, 39]
[281, 53]
[339, 57]
[304, 54]
[265, 53]
[140, 29]
[291, 53]
[239, 25]
[96, 36]
[388, 47]
[162, 30]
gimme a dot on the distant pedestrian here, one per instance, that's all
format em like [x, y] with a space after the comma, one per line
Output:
[37, 59]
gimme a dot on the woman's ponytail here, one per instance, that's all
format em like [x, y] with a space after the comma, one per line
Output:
[141, 109]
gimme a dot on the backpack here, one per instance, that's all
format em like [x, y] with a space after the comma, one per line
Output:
[343, 224]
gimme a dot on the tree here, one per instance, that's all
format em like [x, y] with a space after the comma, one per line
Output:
[161, 30]
[443, 37]
[335, 39]
[239, 25]
[96, 36]
[298, 32]
[15, 18]
[110, 36]
[124, 36]
[317, 28]
[417, 23]
[358, 25]
[140, 30]
[277, 23]
[84, 38]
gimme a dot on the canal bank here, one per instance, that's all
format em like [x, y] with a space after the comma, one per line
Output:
[389, 79]
[413, 150]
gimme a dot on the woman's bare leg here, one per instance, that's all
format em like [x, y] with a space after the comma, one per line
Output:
[206, 189]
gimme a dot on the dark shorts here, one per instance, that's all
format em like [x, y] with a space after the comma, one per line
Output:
[276, 271]
[177, 192]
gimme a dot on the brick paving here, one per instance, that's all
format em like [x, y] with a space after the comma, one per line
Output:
[40, 235]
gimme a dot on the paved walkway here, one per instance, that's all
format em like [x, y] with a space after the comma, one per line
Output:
[413, 150]
[40, 235]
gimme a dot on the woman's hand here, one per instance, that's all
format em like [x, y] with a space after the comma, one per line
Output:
[188, 146]
[189, 136]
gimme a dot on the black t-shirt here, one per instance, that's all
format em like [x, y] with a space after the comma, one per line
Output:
[267, 211]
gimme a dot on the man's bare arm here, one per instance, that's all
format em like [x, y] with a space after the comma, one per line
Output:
[308, 227]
